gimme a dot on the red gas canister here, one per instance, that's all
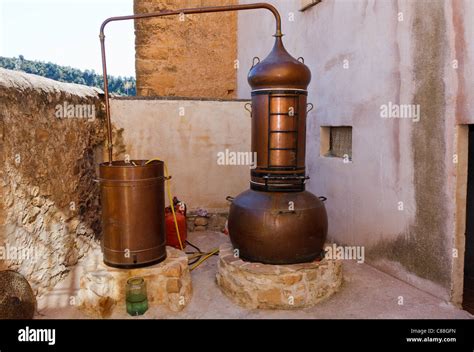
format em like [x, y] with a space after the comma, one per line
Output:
[171, 235]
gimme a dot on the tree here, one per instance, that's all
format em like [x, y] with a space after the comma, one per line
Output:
[117, 85]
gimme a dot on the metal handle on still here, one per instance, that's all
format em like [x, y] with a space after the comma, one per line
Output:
[248, 107]
[253, 61]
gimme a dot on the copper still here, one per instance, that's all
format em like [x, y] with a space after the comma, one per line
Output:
[132, 193]
[277, 221]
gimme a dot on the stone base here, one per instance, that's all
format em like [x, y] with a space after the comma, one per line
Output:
[103, 288]
[256, 285]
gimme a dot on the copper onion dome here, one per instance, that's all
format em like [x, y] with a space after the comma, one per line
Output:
[279, 70]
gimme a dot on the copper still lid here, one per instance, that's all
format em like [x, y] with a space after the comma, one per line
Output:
[279, 70]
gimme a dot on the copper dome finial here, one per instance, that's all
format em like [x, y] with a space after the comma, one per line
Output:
[279, 70]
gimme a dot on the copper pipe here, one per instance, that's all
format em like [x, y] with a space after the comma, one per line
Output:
[169, 13]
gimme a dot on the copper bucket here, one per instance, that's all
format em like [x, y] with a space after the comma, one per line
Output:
[133, 213]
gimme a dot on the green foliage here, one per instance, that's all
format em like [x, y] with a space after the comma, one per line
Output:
[117, 85]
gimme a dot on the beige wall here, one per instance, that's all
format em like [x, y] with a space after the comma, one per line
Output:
[191, 58]
[394, 160]
[189, 144]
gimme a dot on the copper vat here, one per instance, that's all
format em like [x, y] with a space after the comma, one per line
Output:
[277, 221]
[133, 205]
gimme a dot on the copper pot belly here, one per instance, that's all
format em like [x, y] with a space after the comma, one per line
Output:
[278, 227]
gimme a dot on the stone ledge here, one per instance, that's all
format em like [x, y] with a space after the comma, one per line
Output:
[256, 285]
[21, 81]
[103, 288]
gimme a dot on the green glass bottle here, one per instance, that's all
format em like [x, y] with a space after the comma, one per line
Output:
[136, 297]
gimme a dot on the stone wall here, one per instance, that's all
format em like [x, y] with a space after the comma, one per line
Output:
[191, 58]
[203, 221]
[49, 146]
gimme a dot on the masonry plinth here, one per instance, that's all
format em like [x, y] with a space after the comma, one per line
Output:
[102, 289]
[256, 285]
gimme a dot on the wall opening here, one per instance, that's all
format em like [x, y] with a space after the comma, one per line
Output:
[468, 291]
[336, 142]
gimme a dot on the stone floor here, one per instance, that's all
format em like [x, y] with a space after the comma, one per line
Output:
[366, 293]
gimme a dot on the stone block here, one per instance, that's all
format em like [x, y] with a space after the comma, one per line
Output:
[201, 221]
[257, 285]
[102, 289]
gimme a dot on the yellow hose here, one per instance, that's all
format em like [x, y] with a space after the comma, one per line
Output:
[170, 198]
[200, 261]
[196, 255]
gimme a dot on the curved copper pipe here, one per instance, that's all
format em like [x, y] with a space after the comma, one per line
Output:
[169, 13]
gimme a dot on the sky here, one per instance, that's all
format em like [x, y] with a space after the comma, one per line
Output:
[66, 32]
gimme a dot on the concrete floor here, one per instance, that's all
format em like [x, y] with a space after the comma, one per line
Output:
[366, 293]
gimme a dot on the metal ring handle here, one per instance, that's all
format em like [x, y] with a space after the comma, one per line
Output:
[246, 107]
[253, 61]
[311, 107]
[322, 198]
[301, 59]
